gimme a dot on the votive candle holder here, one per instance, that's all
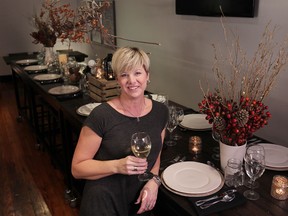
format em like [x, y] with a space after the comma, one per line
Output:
[279, 187]
[195, 145]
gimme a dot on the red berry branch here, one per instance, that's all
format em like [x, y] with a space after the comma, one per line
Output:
[236, 109]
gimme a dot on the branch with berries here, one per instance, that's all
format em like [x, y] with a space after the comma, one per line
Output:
[236, 108]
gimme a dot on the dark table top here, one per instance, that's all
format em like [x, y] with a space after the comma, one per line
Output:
[175, 204]
[11, 58]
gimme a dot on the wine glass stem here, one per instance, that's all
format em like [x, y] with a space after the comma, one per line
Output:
[252, 186]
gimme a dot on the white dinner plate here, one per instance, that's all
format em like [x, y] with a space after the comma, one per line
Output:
[64, 89]
[27, 61]
[35, 68]
[47, 77]
[192, 179]
[86, 109]
[195, 122]
[159, 97]
[276, 156]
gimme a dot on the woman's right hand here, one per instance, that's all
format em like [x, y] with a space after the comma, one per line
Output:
[132, 165]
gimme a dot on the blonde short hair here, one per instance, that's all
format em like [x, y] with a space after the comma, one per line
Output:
[127, 58]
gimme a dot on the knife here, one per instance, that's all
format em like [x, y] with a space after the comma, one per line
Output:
[229, 192]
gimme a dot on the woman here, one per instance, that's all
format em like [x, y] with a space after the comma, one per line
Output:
[103, 155]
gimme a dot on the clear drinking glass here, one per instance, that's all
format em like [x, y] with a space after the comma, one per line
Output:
[254, 167]
[162, 98]
[248, 182]
[171, 125]
[234, 175]
[180, 117]
[141, 146]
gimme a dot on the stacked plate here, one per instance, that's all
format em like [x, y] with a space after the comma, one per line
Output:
[27, 62]
[195, 122]
[36, 68]
[64, 90]
[86, 109]
[276, 157]
[47, 77]
[192, 179]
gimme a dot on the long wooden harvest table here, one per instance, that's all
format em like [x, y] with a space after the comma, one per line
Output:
[63, 114]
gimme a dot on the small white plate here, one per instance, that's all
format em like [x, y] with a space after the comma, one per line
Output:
[27, 61]
[47, 77]
[191, 178]
[276, 156]
[35, 68]
[64, 89]
[195, 122]
[86, 109]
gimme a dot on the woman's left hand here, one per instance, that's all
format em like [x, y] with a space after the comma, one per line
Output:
[148, 196]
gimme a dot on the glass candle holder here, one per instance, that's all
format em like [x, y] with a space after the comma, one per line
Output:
[195, 145]
[279, 187]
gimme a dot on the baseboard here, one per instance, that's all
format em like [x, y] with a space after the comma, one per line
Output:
[6, 78]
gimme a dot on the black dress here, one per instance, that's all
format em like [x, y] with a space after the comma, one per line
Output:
[115, 195]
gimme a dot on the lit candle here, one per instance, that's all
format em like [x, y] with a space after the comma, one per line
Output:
[62, 58]
[279, 187]
[195, 144]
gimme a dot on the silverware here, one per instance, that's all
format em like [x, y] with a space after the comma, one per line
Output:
[228, 192]
[182, 159]
[176, 159]
[226, 198]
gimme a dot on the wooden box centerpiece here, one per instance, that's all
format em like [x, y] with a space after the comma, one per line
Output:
[102, 90]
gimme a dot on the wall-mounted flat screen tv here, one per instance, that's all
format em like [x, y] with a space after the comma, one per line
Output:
[230, 8]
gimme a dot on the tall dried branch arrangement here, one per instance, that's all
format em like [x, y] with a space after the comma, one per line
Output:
[257, 74]
[91, 12]
[236, 107]
[60, 21]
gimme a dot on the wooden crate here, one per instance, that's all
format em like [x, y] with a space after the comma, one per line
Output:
[101, 89]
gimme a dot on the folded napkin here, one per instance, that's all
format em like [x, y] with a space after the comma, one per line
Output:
[221, 206]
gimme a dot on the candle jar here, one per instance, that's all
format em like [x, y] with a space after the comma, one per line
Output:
[234, 175]
[279, 187]
[195, 145]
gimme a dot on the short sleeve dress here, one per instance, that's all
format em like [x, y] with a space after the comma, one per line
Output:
[115, 195]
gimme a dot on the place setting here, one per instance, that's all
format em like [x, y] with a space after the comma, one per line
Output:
[276, 157]
[196, 122]
[26, 62]
[86, 109]
[203, 185]
[33, 69]
[65, 91]
[48, 78]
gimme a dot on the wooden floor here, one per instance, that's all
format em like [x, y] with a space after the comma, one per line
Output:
[29, 184]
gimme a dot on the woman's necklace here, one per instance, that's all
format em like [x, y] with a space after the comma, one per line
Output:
[136, 116]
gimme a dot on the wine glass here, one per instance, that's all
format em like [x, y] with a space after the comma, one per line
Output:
[255, 167]
[248, 183]
[141, 146]
[180, 117]
[171, 125]
[162, 98]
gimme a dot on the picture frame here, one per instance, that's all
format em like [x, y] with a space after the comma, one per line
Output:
[108, 20]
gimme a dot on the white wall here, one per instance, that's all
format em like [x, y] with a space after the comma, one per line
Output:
[185, 55]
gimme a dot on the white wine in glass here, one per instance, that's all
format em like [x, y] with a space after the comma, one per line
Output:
[141, 146]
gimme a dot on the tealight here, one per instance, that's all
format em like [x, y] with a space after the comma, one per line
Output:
[195, 144]
[279, 187]
[62, 58]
